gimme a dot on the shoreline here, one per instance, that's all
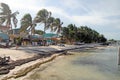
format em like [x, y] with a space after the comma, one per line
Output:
[28, 67]
[52, 53]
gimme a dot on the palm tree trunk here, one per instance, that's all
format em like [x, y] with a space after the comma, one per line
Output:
[44, 34]
[13, 31]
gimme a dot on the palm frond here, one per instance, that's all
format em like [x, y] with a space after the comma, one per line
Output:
[5, 8]
[2, 20]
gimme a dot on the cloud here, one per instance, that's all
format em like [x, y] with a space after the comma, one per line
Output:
[87, 19]
[71, 4]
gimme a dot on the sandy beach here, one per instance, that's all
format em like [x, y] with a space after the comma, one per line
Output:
[15, 54]
[24, 53]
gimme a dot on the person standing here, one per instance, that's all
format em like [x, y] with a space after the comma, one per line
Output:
[17, 43]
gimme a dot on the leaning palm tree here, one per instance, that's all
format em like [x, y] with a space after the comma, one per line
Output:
[2, 20]
[50, 23]
[57, 25]
[27, 24]
[7, 16]
[43, 16]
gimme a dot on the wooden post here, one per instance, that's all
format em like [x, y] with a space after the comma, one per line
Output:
[119, 57]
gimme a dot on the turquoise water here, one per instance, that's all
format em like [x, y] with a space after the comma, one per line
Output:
[100, 64]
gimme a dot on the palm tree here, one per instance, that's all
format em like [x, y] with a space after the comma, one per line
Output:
[57, 25]
[50, 23]
[43, 16]
[2, 20]
[7, 16]
[65, 32]
[27, 24]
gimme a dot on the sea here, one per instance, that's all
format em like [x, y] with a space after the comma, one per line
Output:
[92, 64]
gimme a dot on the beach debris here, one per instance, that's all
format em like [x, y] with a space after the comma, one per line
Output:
[4, 60]
[6, 64]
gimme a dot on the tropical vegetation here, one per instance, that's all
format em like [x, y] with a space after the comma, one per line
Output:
[7, 17]
[69, 34]
[44, 16]
[72, 33]
[40, 32]
[27, 24]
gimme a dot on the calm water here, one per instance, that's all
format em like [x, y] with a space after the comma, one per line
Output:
[100, 64]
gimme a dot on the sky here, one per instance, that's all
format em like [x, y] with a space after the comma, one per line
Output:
[100, 15]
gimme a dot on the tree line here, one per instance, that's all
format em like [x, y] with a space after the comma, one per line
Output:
[72, 33]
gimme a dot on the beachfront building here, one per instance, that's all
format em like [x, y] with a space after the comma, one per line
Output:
[36, 39]
[27, 39]
[51, 39]
[14, 33]
[4, 39]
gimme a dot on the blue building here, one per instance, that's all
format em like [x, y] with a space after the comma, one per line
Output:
[3, 37]
[51, 38]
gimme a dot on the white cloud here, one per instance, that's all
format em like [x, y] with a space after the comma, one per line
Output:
[72, 4]
[58, 11]
[22, 4]
[87, 19]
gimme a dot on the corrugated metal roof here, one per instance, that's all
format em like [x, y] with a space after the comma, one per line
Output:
[49, 35]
